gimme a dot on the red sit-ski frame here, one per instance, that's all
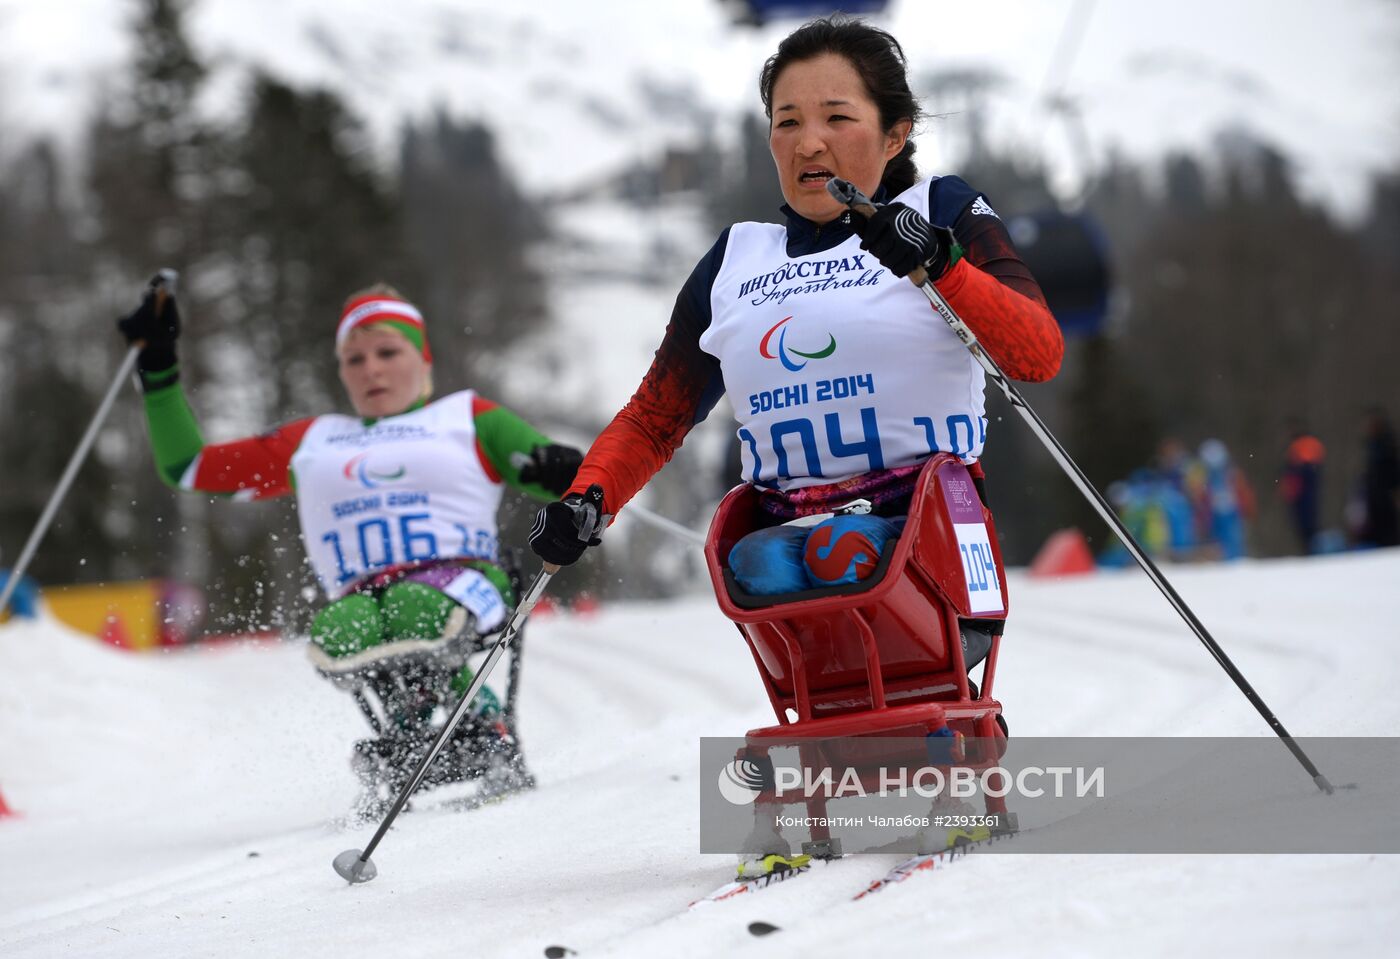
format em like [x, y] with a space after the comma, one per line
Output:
[885, 659]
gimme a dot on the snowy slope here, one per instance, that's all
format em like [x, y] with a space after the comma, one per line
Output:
[178, 805]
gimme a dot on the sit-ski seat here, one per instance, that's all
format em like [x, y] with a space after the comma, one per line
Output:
[882, 657]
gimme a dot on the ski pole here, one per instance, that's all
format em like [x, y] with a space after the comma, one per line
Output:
[641, 512]
[163, 286]
[664, 524]
[847, 193]
[354, 865]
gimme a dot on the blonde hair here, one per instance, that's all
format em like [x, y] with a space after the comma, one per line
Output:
[378, 289]
[388, 327]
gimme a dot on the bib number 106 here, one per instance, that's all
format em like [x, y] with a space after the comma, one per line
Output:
[380, 542]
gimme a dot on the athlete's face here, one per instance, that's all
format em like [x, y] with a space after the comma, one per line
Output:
[825, 124]
[384, 374]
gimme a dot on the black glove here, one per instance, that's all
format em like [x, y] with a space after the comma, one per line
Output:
[901, 240]
[156, 325]
[552, 467]
[564, 529]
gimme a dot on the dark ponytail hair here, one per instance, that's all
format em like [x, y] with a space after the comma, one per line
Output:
[878, 58]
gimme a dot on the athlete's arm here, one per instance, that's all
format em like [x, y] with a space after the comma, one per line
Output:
[993, 291]
[504, 443]
[254, 468]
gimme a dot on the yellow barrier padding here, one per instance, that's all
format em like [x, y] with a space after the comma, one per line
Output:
[123, 614]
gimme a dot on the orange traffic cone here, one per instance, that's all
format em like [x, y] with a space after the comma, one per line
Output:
[1065, 553]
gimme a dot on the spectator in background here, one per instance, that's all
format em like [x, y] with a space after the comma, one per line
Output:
[1135, 500]
[1226, 498]
[1174, 464]
[1380, 483]
[1155, 505]
[24, 602]
[1301, 483]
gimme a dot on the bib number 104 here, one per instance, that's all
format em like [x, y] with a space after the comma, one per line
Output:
[979, 568]
[960, 435]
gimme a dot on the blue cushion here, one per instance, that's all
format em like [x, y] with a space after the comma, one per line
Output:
[768, 562]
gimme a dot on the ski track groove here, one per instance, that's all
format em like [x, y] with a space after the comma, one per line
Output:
[1064, 632]
[185, 882]
[1208, 680]
[619, 669]
[717, 682]
[1237, 633]
[607, 696]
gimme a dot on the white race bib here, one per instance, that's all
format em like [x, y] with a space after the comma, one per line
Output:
[403, 490]
[833, 365]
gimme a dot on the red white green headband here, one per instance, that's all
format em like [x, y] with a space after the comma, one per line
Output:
[378, 308]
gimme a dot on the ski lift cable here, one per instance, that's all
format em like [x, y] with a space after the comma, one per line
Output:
[1067, 48]
[1057, 104]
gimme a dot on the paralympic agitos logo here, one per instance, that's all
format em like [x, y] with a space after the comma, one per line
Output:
[785, 352]
[358, 469]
